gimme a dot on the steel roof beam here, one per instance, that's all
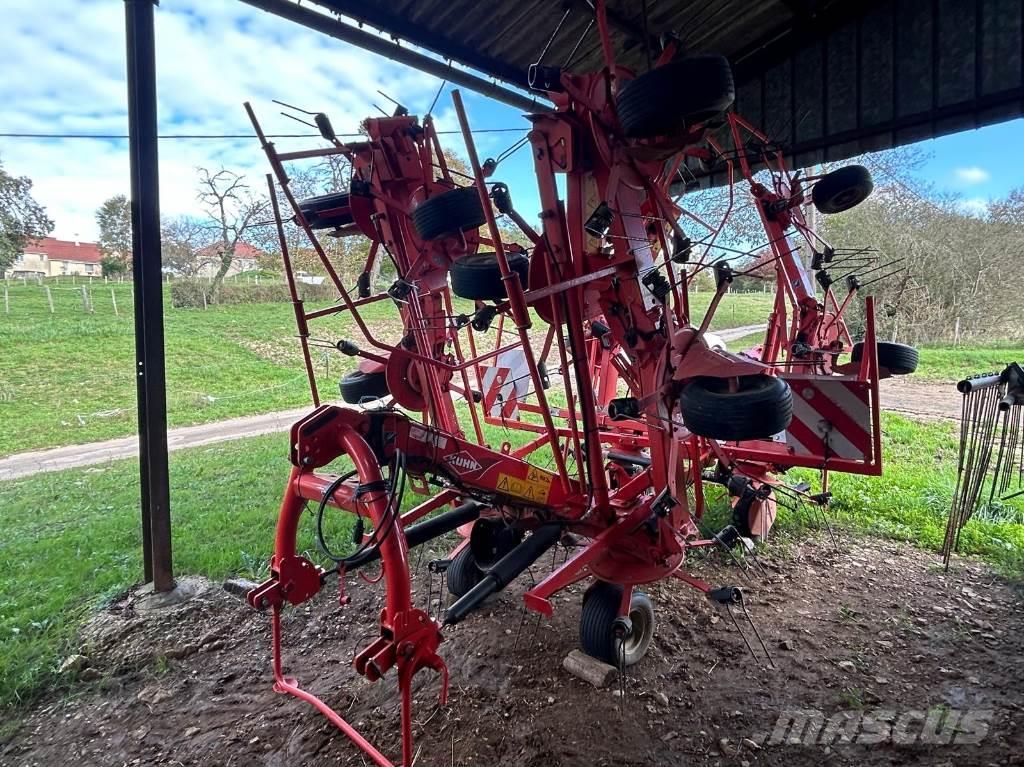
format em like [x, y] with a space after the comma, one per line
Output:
[375, 44]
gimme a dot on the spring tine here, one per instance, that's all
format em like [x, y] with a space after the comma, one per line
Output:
[757, 633]
[740, 632]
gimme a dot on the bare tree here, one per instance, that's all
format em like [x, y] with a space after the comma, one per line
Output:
[233, 211]
[184, 239]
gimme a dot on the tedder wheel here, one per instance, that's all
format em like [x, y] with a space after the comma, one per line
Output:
[357, 386]
[898, 359]
[761, 406]
[492, 539]
[463, 573]
[315, 208]
[598, 630]
[675, 96]
[454, 211]
[842, 189]
[478, 276]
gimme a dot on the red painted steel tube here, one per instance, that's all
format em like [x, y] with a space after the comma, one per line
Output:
[300, 316]
[290, 686]
[515, 291]
[393, 551]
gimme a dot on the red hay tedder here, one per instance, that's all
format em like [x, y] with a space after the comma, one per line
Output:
[587, 342]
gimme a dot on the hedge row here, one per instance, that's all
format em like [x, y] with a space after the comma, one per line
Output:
[196, 294]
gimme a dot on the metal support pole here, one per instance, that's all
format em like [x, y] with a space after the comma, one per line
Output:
[149, 321]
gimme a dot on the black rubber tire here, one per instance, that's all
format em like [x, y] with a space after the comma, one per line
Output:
[357, 386]
[491, 539]
[314, 207]
[597, 624]
[898, 359]
[463, 573]
[762, 406]
[676, 96]
[842, 189]
[457, 210]
[478, 277]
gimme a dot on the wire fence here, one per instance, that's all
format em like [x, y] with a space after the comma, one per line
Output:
[90, 294]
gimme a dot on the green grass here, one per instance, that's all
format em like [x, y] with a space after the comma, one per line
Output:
[71, 539]
[954, 364]
[910, 502]
[67, 377]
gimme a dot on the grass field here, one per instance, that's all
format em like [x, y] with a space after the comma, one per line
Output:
[71, 539]
[67, 377]
[954, 364]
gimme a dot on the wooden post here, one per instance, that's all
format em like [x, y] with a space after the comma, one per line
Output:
[956, 333]
[113, 300]
[204, 300]
[49, 298]
[85, 301]
[7, 303]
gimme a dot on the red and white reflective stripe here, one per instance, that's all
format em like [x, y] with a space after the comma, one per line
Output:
[509, 378]
[494, 379]
[831, 418]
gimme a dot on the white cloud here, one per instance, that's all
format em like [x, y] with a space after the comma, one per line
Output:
[972, 175]
[64, 72]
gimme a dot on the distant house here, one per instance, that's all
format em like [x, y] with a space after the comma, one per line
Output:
[50, 257]
[246, 260]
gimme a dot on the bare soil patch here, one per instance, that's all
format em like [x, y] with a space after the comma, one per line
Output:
[876, 626]
[930, 400]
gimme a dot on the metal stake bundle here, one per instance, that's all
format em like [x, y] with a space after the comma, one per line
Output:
[991, 422]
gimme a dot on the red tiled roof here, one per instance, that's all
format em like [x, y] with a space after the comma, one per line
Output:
[66, 250]
[242, 250]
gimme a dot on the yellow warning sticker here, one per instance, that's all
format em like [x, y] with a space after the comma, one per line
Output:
[535, 487]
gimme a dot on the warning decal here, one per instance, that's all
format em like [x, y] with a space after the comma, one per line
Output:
[535, 487]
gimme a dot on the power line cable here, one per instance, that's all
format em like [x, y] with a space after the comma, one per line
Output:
[193, 136]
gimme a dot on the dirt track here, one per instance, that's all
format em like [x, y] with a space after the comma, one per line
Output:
[925, 399]
[876, 627]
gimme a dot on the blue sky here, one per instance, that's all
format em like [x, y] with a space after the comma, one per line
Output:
[64, 73]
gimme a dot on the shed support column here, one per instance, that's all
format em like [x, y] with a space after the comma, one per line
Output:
[149, 322]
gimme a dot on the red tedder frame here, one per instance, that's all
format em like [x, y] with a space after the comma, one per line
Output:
[609, 465]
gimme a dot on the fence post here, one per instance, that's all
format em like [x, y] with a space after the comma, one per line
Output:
[85, 300]
[204, 300]
[49, 298]
[7, 303]
[956, 333]
[113, 300]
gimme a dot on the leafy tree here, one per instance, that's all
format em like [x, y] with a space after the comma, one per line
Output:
[114, 220]
[21, 217]
[112, 267]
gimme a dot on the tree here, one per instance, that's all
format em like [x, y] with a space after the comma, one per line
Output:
[233, 210]
[114, 220]
[182, 241]
[21, 217]
[112, 267]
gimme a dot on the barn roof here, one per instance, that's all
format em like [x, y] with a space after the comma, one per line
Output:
[827, 78]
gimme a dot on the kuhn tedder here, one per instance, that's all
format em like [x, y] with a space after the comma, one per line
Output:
[586, 344]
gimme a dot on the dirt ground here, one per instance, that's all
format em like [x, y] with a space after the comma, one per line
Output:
[854, 633]
[930, 400]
